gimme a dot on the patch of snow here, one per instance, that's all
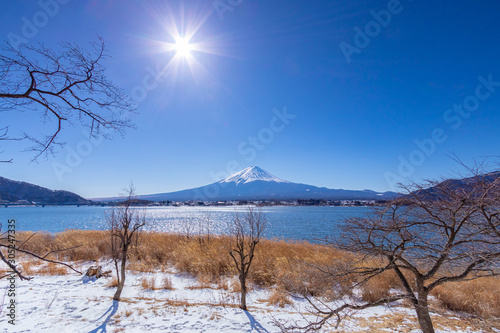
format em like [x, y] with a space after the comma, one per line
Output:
[251, 174]
[71, 303]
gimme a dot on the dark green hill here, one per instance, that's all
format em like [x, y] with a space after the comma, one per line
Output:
[15, 192]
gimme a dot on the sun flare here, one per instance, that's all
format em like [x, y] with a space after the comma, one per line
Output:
[182, 47]
[186, 51]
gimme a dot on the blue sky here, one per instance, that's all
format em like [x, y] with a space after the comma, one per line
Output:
[274, 86]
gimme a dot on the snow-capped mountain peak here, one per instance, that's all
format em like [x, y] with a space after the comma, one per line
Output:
[253, 183]
[251, 174]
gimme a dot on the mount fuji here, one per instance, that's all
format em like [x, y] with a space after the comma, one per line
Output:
[254, 183]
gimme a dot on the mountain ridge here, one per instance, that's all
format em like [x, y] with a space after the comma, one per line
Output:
[254, 183]
[463, 183]
[15, 192]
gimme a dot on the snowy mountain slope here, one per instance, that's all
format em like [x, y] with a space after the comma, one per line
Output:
[254, 183]
[251, 174]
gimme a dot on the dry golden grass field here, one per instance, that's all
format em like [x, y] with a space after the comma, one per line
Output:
[286, 267]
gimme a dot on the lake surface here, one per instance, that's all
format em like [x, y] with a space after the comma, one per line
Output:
[297, 223]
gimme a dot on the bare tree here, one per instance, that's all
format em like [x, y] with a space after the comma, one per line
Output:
[125, 224]
[4, 137]
[489, 204]
[245, 233]
[438, 232]
[68, 85]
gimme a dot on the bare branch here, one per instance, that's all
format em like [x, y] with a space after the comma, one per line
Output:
[436, 232]
[68, 85]
[244, 235]
[125, 224]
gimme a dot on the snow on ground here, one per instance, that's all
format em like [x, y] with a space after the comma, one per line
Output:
[72, 303]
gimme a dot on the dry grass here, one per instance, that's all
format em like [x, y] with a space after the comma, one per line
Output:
[29, 267]
[203, 282]
[142, 266]
[52, 269]
[186, 304]
[167, 283]
[293, 267]
[479, 297]
[207, 259]
[92, 244]
[405, 323]
[379, 286]
[215, 316]
[288, 266]
[148, 283]
[398, 322]
[113, 283]
[279, 298]
[223, 284]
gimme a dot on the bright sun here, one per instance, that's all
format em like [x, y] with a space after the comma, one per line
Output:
[182, 47]
[183, 50]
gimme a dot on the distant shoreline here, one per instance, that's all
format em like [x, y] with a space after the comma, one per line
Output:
[259, 203]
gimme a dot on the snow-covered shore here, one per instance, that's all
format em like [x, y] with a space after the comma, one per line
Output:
[72, 303]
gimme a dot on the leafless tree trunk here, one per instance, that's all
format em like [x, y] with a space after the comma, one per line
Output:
[67, 85]
[125, 224]
[438, 232]
[245, 233]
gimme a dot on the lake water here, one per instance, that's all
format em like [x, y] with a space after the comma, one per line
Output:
[297, 223]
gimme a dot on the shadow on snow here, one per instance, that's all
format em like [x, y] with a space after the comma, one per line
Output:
[254, 324]
[112, 310]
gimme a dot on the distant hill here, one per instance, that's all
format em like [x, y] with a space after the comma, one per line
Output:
[254, 183]
[15, 192]
[432, 193]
